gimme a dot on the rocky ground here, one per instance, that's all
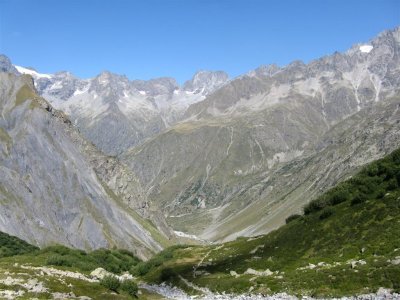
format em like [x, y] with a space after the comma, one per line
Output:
[29, 282]
[174, 293]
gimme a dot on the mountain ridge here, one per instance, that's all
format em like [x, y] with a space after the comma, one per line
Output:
[229, 156]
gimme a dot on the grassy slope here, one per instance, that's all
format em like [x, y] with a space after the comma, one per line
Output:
[357, 220]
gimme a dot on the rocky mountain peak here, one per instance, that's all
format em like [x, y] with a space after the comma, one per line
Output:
[108, 78]
[206, 81]
[264, 71]
[163, 85]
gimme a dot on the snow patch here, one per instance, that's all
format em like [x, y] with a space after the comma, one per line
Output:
[80, 92]
[142, 92]
[32, 72]
[188, 236]
[366, 48]
[56, 85]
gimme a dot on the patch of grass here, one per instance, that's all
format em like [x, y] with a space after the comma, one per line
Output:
[23, 94]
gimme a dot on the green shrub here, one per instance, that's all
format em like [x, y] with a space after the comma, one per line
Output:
[339, 196]
[372, 169]
[326, 213]
[392, 184]
[130, 287]
[140, 269]
[359, 198]
[59, 260]
[292, 218]
[315, 205]
[380, 193]
[110, 282]
[115, 261]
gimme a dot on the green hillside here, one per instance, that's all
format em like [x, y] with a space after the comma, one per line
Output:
[11, 245]
[347, 242]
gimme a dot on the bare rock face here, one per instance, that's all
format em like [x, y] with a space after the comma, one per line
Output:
[56, 187]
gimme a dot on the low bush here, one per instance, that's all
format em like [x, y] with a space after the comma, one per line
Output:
[115, 261]
[110, 282]
[59, 260]
[326, 213]
[130, 287]
[339, 196]
[167, 274]
[292, 218]
[140, 269]
[315, 205]
[359, 198]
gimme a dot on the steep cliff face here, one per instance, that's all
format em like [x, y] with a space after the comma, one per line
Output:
[261, 146]
[55, 187]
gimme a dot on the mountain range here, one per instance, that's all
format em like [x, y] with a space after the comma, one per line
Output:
[108, 161]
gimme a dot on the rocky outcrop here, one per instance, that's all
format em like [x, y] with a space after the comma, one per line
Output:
[6, 65]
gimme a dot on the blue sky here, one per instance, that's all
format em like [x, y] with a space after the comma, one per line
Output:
[154, 38]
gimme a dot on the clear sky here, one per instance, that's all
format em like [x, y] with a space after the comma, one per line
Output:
[153, 38]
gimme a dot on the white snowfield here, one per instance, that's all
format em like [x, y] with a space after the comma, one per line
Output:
[366, 48]
[189, 236]
[32, 72]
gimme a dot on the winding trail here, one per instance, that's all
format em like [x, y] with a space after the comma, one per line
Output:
[202, 260]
